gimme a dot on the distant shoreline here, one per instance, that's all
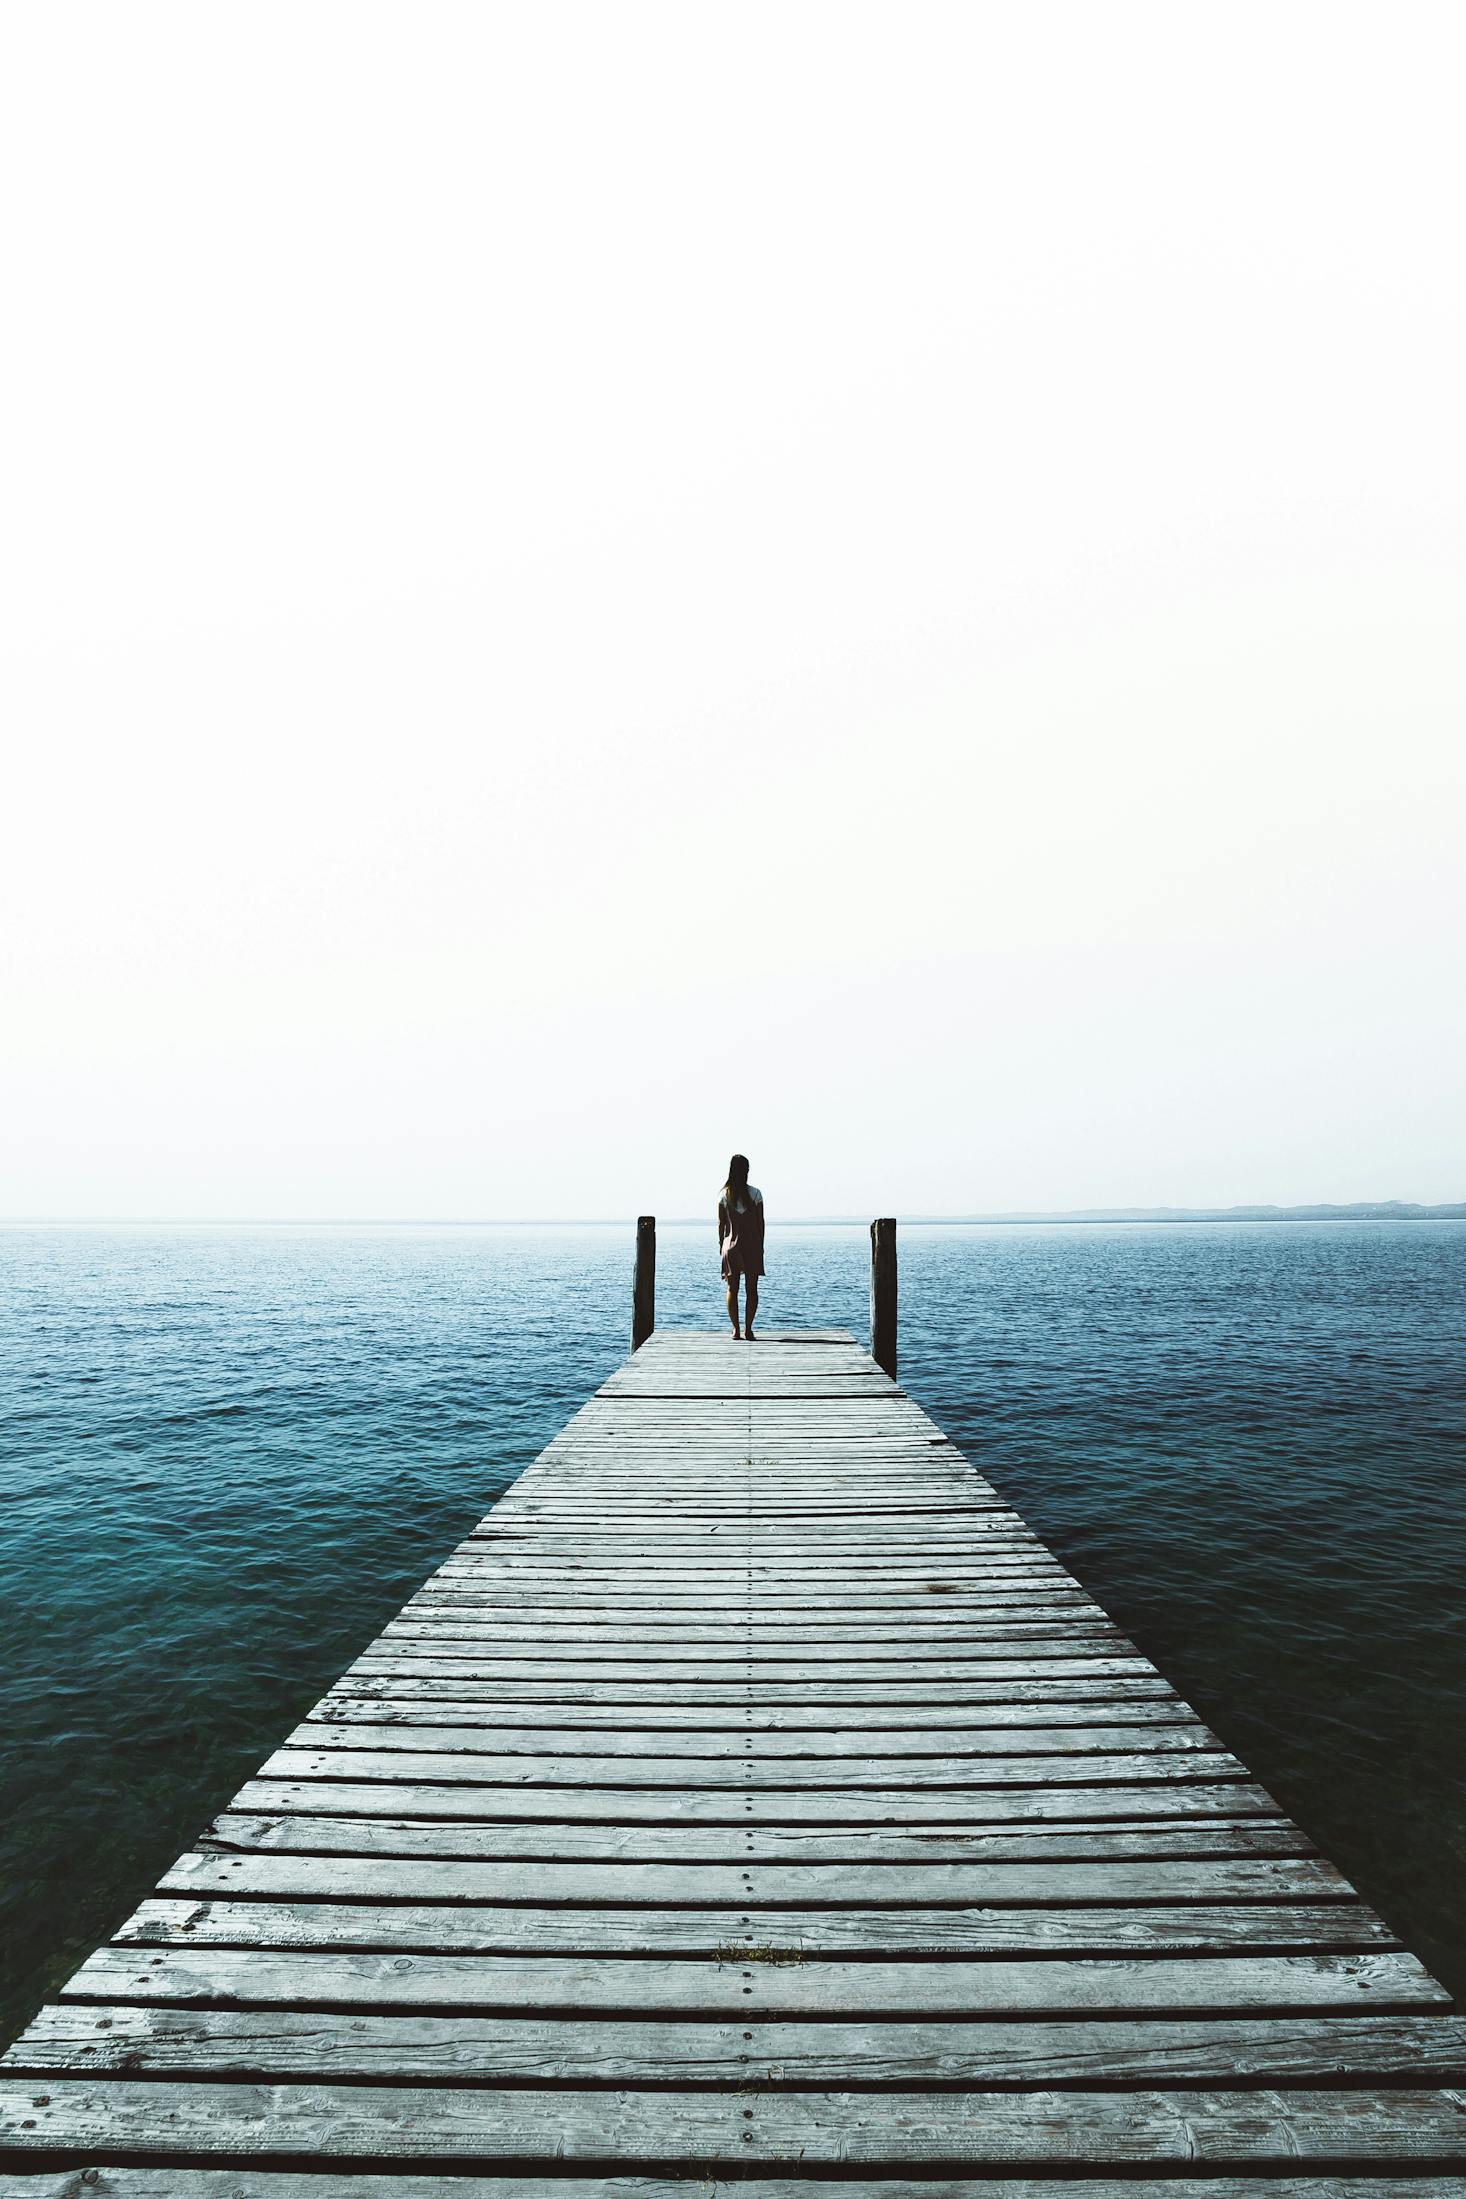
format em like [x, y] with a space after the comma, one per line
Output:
[1380, 1210]
[1365, 1210]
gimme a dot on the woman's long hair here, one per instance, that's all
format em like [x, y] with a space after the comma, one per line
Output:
[736, 1187]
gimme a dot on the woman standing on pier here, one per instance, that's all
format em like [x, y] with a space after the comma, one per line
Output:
[741, 1241]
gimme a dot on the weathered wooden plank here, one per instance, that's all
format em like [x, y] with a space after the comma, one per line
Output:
[678, 1470]
[442, 1638]
[994, 1531]
[816, 1525]
[110, 2181]
[654, 1460]
[710, 1701]
[847, 1392]
[937, 1614]
[345, 1725]
[1031, 2056]
[1026, 1662]
[913, 1509]
[1002, 1585]
[954, 1526]
[770, 1507]
[1198, 1927]
[751, 1882]
[654, 1467]
[744, 1582]
[571, 1532]
[557, 1507]
[616, 1522]
[930, 1597]
[818, 1723]
[689, 1441]
[1001, 1535]
[806, 1775]
[613, 1512]
[677, 1466]
[237, 1832]
[1098, 1986]
[458, 1598]
[431, 1618]
[807, 1703]
[816, 1644]
[658, 1464]
[1175, 1801]
[918, 1609]
[653, 1456]
[779, 1509]
[1002, 1617]
[991, 1528]
[743, 1595]
[778, 1503]
[821, 1560]
[658, 1385]
[640, 1540]
[1273, 2129]
[685, 1490]
[712, 1570]
[621, 1537]
[732, 1583]
[664, 1483]
[682, 1470]
[726, 1562]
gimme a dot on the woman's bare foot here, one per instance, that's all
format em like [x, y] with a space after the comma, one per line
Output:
[737, 1336]
[751, 1337]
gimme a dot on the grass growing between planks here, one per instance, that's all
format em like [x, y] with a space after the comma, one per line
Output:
[733, 1956]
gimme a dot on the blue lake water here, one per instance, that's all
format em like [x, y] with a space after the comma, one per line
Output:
[227, 1455]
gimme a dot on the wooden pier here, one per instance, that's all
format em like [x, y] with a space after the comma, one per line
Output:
[751, 1796]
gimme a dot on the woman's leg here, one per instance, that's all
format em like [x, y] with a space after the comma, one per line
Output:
[750, 1288]
[733, 1302]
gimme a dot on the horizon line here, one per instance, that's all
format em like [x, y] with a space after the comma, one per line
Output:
[1315, 1210]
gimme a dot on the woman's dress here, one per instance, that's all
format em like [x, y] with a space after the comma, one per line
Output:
[741, 1234]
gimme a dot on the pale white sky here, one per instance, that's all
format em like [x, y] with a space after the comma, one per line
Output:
[582, 586]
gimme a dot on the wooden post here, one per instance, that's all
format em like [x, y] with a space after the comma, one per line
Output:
[883, 1294]
[644, 1289]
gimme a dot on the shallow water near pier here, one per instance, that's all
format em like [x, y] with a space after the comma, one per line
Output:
[228, 1454]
